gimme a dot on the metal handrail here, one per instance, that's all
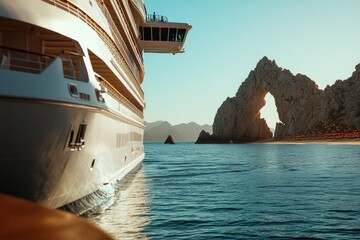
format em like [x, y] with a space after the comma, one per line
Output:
[112, 91]
[156, 18]
[23, 61]
[141, 6]
[112, 44]
[25, 51]
[117, 36]
[120, 42]
[33, 62]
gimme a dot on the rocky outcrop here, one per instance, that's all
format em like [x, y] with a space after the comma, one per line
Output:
[184, 132]
[204, 137]
[340, 103]
[169, 140]
[300, 104]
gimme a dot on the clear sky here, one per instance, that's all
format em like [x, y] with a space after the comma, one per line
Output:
[318, 38]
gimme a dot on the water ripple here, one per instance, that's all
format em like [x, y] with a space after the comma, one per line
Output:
[249, 191]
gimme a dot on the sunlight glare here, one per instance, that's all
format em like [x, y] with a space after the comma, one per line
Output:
[269, 111]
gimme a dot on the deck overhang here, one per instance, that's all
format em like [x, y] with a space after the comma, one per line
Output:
[163, 37]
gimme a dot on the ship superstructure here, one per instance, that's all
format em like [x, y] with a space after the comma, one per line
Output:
[70, 94]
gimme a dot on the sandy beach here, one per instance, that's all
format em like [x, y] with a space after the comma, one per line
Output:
[353, 141]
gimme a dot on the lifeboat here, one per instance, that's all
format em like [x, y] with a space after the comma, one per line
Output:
[158, 35]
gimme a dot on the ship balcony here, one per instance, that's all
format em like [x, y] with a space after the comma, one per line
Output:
[157, 35]
[23, 61]
[140, 8]
[19, 60]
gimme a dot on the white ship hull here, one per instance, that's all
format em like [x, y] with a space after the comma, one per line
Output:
[71, 103]
[44, 109]
[39, 165]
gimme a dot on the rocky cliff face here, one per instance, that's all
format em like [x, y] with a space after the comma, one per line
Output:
[340, 103]
[299, 102]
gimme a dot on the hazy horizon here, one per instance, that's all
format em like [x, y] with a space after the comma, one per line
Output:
[317, 38]
[173, 124]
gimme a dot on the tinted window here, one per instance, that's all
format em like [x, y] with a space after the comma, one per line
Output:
[155, 33]
[172, 35]
[164, 34]
[147, 33]
[180, 35]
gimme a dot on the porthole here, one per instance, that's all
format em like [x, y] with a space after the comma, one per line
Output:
[73, 90]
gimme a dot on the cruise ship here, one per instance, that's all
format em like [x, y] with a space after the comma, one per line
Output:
[71, 102]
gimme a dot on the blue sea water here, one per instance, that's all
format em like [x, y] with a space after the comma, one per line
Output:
[240, 191]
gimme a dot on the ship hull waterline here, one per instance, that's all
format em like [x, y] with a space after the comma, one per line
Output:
[37, 162]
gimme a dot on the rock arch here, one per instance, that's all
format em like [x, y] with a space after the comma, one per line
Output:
[300, 104]
[269, 112]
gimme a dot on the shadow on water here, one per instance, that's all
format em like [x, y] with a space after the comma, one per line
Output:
[126, 217]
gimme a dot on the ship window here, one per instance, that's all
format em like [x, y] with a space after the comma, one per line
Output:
[164, 34]
[147, 33]
[172, 35]
[155, 33]
[71, 143]
[180, 35]
[80, 138]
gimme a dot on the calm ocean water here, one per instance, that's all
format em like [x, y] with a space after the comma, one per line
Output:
[188, 191]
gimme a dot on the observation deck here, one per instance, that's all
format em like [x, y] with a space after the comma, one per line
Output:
[158, 35]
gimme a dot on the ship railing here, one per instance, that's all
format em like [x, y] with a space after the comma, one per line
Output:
[120, 42]
[70, 63]
[128, 18]
[114, 93]
[134, 71]
[23, 61]
[68, 68]
[156, 18]
[141, 6]
[116, 48]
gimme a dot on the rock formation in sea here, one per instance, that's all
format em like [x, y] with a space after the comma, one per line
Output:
[184, 132]
[204, 137]
[299, 101]
[169, 140]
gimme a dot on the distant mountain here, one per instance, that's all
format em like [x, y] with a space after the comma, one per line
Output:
[152, 125]
[159, 132]
[186, 132]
